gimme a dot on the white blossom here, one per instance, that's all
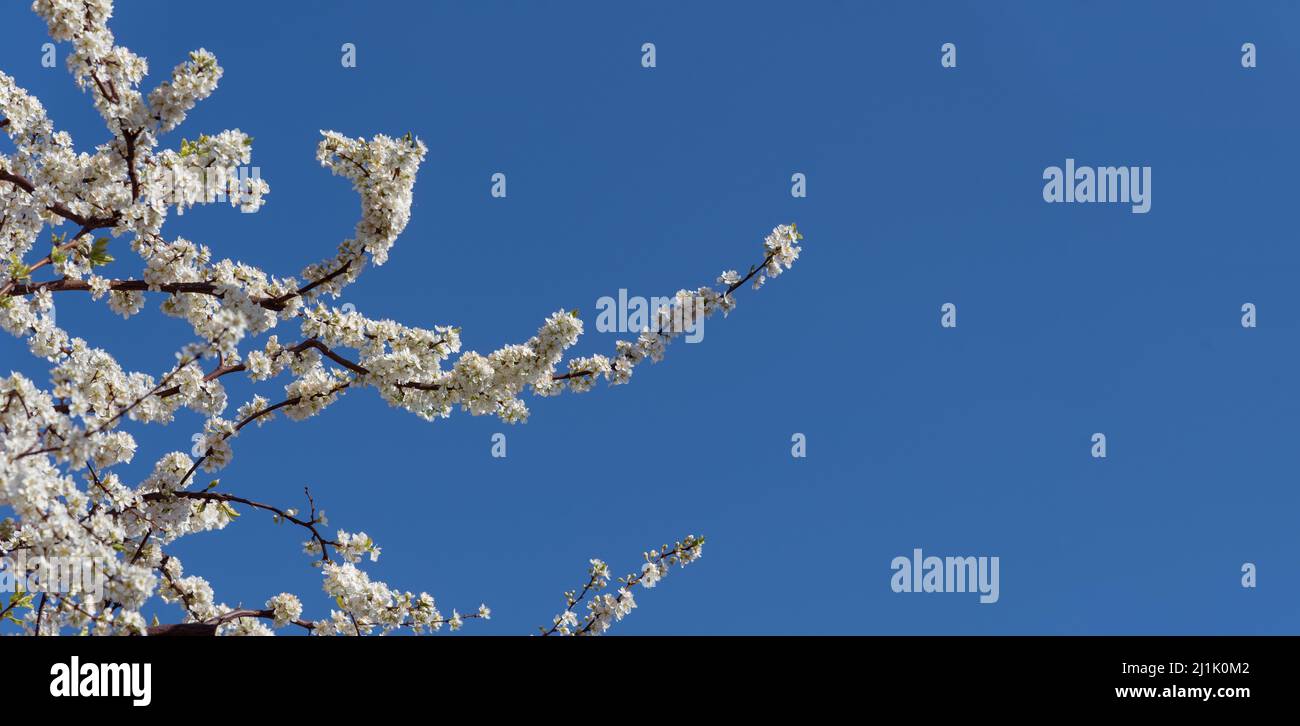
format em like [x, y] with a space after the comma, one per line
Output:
[286, 608]
[69, 214]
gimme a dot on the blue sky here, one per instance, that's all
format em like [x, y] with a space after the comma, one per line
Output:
[924, 187]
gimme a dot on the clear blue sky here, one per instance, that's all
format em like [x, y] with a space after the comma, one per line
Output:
[924, 187]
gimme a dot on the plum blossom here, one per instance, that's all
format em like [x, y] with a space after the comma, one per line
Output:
[68, 214]
[605, 609]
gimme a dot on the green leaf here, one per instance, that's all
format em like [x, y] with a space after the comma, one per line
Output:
[99, 253]
[19, 271]
[19, 599]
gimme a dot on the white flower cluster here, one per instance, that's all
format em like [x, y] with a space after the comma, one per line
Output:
[59, 446]
[209, 170]
[603, 608]
[191, 82]
[782, 248]
[285, 608]
[365, 606]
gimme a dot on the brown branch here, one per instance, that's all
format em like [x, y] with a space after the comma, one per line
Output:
[736, 285]
[225, 370]
[250, 419]
[144, 541]
[92, 222]
[109, 93]
[266, 613]
[39, 612]
[201, 288]
[166, 379]
[184, 597]
[209, 626]
[572, 374]
[671, 557]
[181, 629]
[223, 497]
[88, 224]
[310, 286]
[18, 181]
[328, 353]
[568, 597]
[173, 288]
[216, 373]
[130, 138]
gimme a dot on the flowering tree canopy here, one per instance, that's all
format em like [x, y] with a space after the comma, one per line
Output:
[59, 444]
